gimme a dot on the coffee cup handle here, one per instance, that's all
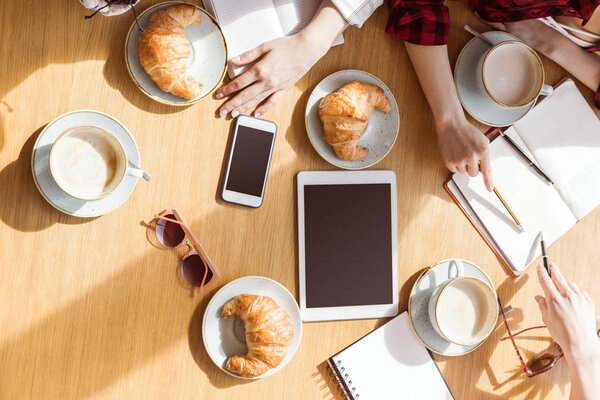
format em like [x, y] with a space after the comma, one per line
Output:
[456, 269]
[546, 90]
[138, 173]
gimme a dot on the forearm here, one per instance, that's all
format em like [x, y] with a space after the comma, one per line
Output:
[327, 24]
[583, 65]
[433, 70]
[585, 380]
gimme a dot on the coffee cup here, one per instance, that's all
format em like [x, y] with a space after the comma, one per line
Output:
[463, 309]
[88, 162]
[512, 74]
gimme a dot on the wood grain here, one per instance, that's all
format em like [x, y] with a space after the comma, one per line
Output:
[89, 309]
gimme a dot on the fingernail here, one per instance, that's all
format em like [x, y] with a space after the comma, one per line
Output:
[235, 113]
[223, 113]
[236, 59]
[219, 95]
[257, 114]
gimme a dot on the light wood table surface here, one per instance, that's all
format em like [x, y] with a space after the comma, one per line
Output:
[89, 309]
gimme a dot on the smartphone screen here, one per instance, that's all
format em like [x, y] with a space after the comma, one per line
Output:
[249, 161]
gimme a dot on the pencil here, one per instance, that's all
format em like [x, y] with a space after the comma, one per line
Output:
[544, 253]
[512, 214]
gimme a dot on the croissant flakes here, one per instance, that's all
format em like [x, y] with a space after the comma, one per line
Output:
[269, 334]
[345, 115]
[163, 50]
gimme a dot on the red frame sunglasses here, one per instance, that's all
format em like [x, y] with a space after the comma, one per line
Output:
[196, 268]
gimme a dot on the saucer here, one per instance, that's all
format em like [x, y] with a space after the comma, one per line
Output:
[224, 338]
[418, 303]
[41, 169]
[475, 100]
[379, 135]
[207, 63]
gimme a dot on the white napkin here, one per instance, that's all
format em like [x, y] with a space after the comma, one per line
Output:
[112, 9]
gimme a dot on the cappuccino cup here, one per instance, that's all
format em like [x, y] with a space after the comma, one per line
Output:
[512, 74]
[89, 163]
[463, 310]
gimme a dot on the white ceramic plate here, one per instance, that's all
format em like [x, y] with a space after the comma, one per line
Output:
[418, 304]
[223, 337]
[41, 169]
[207, 63]
[379, 135]
[476, 101]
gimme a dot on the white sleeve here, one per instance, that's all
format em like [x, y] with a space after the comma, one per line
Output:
[112, 9]
[356, 12]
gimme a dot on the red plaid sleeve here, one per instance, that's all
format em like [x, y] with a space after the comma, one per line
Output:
[421, 22]
[597, 97]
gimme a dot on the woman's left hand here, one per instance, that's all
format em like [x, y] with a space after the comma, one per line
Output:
[281, 63]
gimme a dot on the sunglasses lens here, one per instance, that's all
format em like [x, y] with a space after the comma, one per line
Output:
[193, 270]
[169, 234]
[540, 364]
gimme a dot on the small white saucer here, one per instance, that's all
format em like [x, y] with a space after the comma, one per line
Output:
[418, 303]
[224, 338]
[207, 63]
[41, 170]
[379, 135]
[476, 101]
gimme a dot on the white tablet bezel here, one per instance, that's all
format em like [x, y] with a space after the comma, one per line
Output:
[345, 178]
[244, 198]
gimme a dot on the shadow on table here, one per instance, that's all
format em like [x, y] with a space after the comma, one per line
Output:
[23, 207]
[217, 377]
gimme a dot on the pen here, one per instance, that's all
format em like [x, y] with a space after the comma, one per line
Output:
[532, 164]
[544, 253]
[512, 214]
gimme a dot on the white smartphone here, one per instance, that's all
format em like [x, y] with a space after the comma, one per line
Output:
[249, 161]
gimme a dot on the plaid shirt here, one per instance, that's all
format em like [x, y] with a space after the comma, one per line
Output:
[426, 22]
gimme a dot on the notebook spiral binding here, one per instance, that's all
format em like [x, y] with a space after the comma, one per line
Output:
[344, 384]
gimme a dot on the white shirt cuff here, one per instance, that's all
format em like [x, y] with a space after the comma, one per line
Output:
[356, 12]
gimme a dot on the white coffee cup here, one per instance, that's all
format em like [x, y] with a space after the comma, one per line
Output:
[463, 309]
[88, 162]
[512, 74]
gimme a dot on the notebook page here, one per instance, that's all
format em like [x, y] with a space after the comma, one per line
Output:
[563, 133]
[294, 15]
[536, 204]
[390, 363]
[246, 24]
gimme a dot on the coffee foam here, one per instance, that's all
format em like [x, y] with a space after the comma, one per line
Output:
[463, 310]
[512, 74]
[87, 162]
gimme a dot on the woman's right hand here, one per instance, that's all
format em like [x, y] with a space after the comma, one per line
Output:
[569, 313]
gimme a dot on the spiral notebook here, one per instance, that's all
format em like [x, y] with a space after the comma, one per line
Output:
[388, 363]
[562, 134]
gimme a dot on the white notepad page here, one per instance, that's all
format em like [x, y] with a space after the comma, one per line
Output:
[247, 24]
[390, 363]
[537, 204]
[563, 133]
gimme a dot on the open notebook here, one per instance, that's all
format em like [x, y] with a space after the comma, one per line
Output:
[247, 24]
[389, 363]
[562, 134]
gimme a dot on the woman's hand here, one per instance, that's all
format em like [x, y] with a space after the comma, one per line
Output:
[465, 149]
[281, 62]
[569, 314]
[533, 32]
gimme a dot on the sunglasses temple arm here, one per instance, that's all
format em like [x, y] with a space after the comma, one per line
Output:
[527, 371]
[203, 280]
[168, 219]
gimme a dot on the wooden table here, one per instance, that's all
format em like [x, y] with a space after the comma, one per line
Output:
[89, 309]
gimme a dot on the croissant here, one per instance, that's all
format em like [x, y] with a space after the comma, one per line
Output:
[345, 115]
[163, 50]
[269, 334]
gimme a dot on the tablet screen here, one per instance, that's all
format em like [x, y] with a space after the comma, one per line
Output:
[348, 239]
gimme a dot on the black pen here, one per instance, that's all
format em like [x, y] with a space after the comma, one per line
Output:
[544, 253]
[532, 164]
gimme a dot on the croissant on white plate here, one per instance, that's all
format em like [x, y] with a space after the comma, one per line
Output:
[269, 334]
[163, 50]
[345, 115]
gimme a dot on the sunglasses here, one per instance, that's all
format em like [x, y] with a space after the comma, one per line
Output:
[196, 268]
[540, 364]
